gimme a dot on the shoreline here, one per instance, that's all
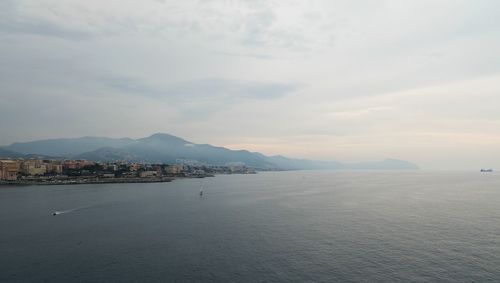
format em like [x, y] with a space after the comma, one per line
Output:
[86, 181]
[101, 180]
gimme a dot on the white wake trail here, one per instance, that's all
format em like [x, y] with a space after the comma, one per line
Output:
[58, 212]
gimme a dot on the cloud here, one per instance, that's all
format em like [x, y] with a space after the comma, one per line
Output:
[250, 55]
[13, 21]
[43, 28]
[202, 99]
[215, 89]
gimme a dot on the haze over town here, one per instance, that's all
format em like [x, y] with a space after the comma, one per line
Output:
[349, 81]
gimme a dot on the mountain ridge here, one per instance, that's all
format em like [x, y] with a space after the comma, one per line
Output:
[166, 148]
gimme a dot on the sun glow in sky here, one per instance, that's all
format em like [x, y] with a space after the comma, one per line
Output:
[330, 80]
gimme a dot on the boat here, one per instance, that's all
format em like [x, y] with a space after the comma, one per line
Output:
[488, 170]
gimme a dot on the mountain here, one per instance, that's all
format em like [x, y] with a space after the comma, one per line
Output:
[66, 147]
[165, 148]
[297, 164]
[108, 154]
[5, 153]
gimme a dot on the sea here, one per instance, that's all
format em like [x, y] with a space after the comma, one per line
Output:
[296, 226]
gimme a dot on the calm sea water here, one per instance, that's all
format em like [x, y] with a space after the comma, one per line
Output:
[270, 227]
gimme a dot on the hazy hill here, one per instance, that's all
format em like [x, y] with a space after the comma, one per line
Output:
[165, 148]
[294, 164]
[66, 147]
[108, 154]
[9, 153]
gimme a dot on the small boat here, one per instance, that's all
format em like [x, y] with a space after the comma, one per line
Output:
[487, 170]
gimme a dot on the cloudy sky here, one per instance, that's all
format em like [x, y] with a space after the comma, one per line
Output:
[330, 80]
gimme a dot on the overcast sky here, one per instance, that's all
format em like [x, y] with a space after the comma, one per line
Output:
[330, 80]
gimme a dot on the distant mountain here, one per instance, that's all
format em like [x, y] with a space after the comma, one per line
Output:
[165, 148]
[9, 153]
[297, 164]
[66, 147]
[4, 153]
[108, 154]
[160, 148]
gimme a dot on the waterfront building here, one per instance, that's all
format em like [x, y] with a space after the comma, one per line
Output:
[54, 167]
[148, 174]
[134, 167]
[174, 169]
[33, 167]
[109, 166]
[238, 168]
[69, 164]
[76, 164]
[9, 169]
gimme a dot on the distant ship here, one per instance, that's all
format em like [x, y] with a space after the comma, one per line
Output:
[487, 170]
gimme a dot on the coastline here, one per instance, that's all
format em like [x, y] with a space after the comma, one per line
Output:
[85, 181]
[97, 180]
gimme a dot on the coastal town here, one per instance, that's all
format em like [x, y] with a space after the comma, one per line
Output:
[35, 171]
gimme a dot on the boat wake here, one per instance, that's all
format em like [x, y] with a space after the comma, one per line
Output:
[58, 212]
